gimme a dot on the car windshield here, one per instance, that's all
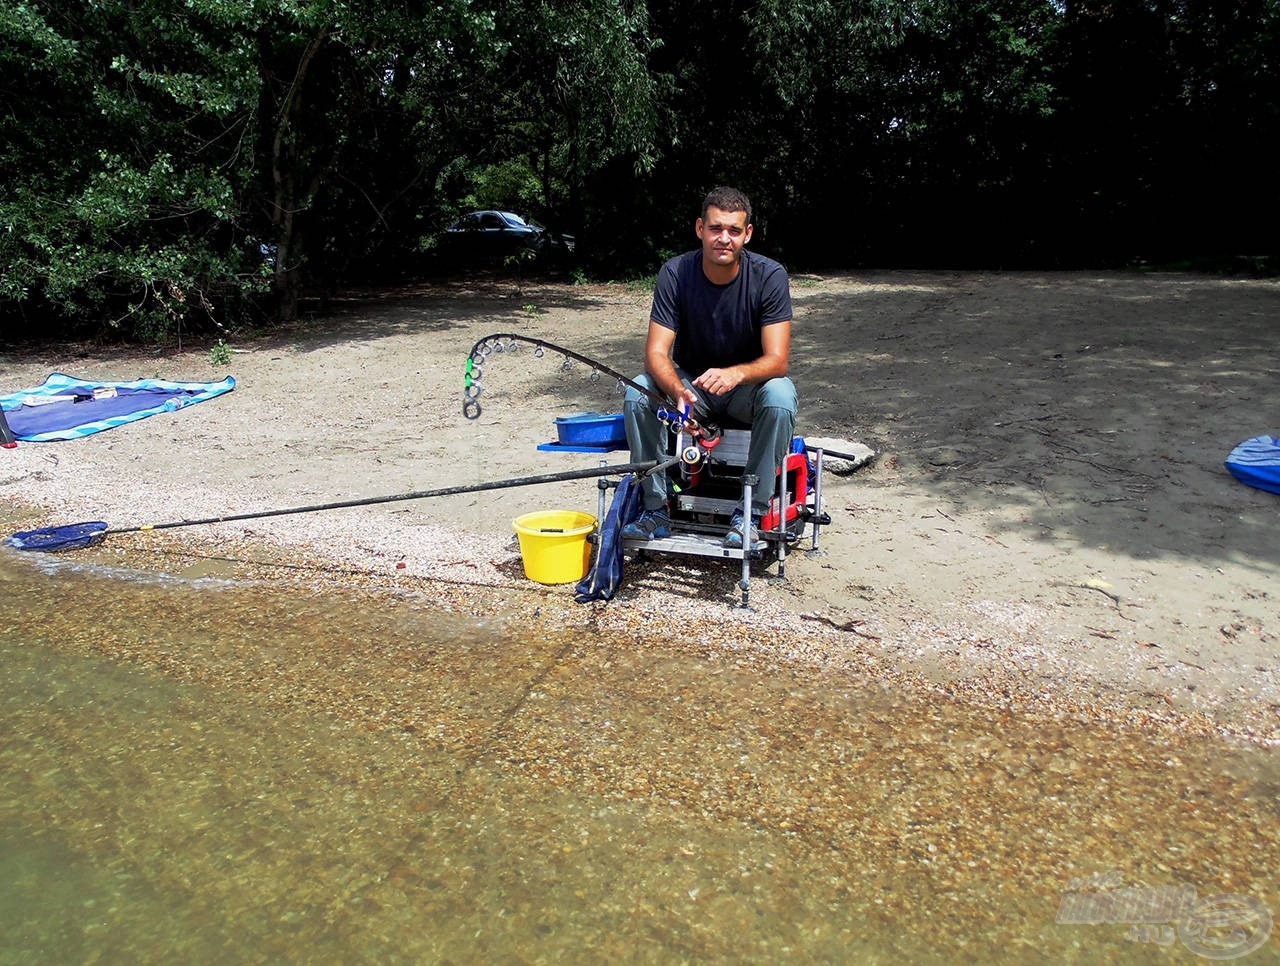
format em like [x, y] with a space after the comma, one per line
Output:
[511, 218]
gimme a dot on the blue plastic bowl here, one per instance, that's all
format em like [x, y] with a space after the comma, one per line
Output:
[591, 429]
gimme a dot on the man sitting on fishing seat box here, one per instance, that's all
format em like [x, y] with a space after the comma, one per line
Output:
[719, 341]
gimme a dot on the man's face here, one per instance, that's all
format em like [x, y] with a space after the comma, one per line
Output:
[723, 234]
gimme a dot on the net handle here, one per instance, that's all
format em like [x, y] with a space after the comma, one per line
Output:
[53, 538]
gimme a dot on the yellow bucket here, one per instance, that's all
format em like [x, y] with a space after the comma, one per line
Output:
[554, 546]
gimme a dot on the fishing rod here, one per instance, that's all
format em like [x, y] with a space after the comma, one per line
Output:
[674, 420]
[494, 342]
[7, 439]
[75, 536]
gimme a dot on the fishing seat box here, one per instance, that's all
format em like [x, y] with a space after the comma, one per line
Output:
[715, 488]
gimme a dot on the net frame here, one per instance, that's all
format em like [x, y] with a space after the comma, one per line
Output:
[72, 536]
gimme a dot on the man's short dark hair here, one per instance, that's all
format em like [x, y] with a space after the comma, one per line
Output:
[727, 199]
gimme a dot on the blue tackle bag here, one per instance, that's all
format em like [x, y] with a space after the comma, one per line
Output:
[605, 576]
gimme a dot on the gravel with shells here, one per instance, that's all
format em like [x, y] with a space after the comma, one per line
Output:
[685, 603]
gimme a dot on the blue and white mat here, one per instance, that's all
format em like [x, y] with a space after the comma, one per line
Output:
[64, 407]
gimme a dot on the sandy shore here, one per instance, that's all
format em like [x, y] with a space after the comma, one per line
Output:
[1048, 522]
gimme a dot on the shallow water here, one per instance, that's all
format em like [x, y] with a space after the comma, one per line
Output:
[215, 771]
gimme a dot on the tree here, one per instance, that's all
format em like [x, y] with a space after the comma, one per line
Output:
[574, 93]
[175, 162]
[168, 164]
[1169, 116]
[122, 148]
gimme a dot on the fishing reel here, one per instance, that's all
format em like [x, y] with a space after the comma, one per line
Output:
[703, 438]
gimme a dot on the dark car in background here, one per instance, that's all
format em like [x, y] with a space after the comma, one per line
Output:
[492, 237]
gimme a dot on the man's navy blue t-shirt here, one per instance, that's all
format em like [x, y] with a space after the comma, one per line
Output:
[719, 325]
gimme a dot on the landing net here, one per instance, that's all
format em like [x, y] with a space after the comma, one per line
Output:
[72, 536]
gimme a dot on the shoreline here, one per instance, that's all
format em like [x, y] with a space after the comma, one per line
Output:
[812, 647]
[1048, 523]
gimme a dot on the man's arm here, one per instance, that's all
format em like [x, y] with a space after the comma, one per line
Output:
[657, 362]
[775, 340]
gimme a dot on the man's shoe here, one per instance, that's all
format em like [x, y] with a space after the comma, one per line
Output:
[650, 525]
[733, 539]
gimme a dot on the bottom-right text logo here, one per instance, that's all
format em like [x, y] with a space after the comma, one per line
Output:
[1224, 926]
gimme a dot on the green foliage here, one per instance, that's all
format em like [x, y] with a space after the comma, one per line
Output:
[220, 354]
[126, 179]
[511, 185]
[170, 165]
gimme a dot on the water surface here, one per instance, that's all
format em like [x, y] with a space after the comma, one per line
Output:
[223, 771]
